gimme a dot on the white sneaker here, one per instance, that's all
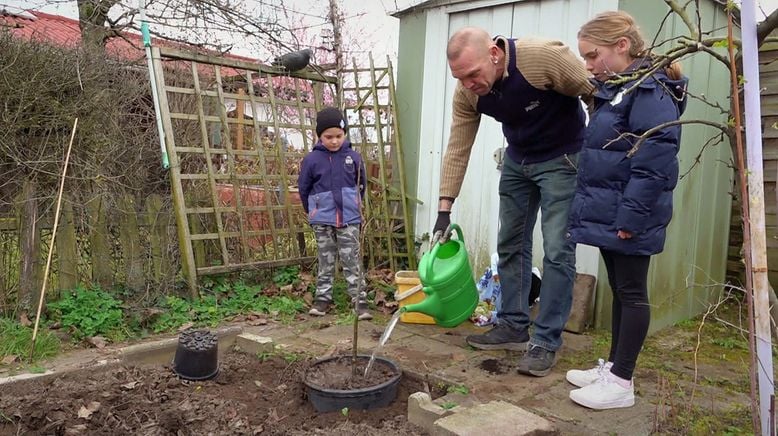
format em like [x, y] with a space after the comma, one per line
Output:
[586, 377]
[603, 394]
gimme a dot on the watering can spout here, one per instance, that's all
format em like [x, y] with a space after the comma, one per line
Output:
[429, 306]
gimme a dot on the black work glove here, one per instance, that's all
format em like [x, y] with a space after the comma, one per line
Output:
[442, 223]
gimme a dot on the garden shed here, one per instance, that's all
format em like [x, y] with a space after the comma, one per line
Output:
[694, 261]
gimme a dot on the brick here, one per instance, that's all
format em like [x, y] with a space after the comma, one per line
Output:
[254, 344]
[493, 418]
[423, 412]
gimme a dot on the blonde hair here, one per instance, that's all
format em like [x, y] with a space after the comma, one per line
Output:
[608, 27]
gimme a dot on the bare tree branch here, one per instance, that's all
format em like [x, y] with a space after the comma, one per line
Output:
[766, 27]
[694, 31]
[640, 139]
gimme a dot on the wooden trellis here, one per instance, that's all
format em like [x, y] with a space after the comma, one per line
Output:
[369, 97]
[235, 134]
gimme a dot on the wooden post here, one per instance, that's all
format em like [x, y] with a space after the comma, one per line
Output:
[131, 246]
[102, 270]
[29, 242]
[158, 222]
[761, 285]
[67, 250]
[240, 109]
[179, 204]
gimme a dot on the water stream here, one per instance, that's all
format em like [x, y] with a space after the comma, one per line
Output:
[384, 337]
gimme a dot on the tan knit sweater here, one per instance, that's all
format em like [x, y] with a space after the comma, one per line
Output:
[545, 64]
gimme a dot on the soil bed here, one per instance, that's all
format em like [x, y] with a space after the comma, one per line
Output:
[248, 396]
[337, 374]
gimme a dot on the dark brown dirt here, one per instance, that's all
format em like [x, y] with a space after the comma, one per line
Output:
[248, 397]
[337, 373]
[493, 366]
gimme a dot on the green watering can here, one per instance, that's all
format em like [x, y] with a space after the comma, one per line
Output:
[451, 296]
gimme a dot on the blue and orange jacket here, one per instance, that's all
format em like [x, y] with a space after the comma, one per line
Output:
[332, 185]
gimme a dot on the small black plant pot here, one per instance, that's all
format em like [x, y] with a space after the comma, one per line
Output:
[197, 355]
[370, 397]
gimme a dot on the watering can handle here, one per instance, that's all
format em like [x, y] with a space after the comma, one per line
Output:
[436, 245]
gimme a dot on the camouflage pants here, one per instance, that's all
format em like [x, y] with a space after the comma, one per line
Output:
[344, 243]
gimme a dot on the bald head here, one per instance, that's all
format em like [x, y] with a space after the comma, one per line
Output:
[474, 38]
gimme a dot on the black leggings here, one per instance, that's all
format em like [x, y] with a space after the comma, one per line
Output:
[631, 313]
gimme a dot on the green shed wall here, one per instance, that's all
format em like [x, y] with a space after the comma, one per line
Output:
[410, 75]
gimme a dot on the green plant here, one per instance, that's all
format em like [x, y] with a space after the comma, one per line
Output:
[346, 318]
[448, 405]
[225, 301]
[36, 369]
[458, 389]
[15, 340]
[177, 313]
[90, 312]
[287, 276]
[344, 412]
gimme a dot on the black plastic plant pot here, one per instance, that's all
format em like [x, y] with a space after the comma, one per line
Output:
[197, 355]
[372, 397]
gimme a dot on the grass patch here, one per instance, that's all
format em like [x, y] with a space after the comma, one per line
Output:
[458, 389]
[15, 340]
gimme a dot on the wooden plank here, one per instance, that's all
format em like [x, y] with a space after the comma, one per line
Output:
[132, 249]
[382, 165]
[182, 225]
[67, 249]
[373, 246]
[301, 248]
[280, 158]
[260, 151]
[239, 64]
[29, 242]
[100, 250]
[206, 148]
[256, 265]
[197, 235]
[231, 170]
[158, 238]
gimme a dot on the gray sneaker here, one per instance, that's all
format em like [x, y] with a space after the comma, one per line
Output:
[500, 337]
[319, 308]
[538, 361]
[363, 312]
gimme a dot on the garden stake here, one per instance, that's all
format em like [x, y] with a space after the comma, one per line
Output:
[53, 236]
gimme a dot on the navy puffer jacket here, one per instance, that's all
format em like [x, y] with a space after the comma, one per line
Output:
[634, 194]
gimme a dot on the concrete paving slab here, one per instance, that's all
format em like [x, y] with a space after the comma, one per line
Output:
[254, 344]
[493, 418]
[555, 403]
[423, 354]
[423, 412]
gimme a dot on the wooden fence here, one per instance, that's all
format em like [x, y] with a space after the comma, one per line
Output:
[123, 244]
[768, 81]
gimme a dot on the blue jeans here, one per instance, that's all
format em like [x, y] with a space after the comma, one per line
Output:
[524, 188]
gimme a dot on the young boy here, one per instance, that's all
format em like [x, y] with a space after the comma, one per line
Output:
[332, 186]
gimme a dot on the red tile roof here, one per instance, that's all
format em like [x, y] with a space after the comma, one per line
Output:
[65, 32]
